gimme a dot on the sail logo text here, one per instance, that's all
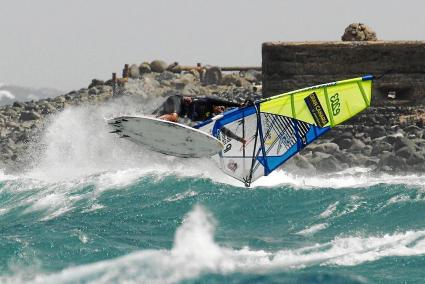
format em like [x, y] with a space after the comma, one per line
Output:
[335, 104]
[316, 109]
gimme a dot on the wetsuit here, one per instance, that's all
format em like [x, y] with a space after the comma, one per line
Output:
[200, 108]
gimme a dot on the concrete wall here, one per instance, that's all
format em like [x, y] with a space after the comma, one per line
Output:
[292, 65]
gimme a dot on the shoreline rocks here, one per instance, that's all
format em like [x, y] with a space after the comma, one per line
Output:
[387, 139]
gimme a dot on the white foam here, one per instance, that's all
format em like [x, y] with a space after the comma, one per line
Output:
[6, 94]
[351, 178]
[329, 210]
[195, 252]
[308, 231]
[180, 196]
[398, 199]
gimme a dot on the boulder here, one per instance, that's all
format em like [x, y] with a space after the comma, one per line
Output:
[392, 161]
[380, 147]
[377, 131]
[344, 143]
[253, 76]
[145, 68]
[190, 90]
[299, 165]
[358, 32]
[29, 115]
[59, 99]
[401, 142]
[357, 145]
[18, 104]
[329, 164]
[415, 158]
[233, 79]
[158, 66]
[413, 129]
[317, 156]
[212, 76]
[328, 148]
[95, 82]
[174, 67]
[134, 71]
[367, 150]
[166, 76]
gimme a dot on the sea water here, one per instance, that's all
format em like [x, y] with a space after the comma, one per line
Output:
[93, 208]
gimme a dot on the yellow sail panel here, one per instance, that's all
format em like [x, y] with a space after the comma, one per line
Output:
[323, 105]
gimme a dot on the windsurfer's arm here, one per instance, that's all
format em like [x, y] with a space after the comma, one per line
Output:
[232, 135]
[173, 117]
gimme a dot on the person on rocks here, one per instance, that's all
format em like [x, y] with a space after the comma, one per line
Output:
[195, 109]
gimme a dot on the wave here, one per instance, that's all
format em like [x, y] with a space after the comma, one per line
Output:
[195, 253]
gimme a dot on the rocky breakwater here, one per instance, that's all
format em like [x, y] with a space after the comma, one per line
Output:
[384, 138]
[22, 123]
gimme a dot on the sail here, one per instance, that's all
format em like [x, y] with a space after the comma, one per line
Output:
[276, 128]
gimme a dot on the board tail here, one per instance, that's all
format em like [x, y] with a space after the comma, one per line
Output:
[260, 138]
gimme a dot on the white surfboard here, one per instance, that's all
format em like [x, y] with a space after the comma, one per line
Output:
[166, 137]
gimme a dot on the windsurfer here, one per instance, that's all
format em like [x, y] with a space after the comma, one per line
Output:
[196, 109]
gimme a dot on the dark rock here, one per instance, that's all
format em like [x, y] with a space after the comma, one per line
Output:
[59, 99]
[344, 157]
[93, 91]
[328, 148]
[370, 121]
[18, 104]
[405, 152]
[29, 115]
[166, 76]
[377, 131]
[96, 82]
[412, 129]
[213, 76]
[345, 143]
[371, 163]
[158, 66]
[303, 163]
[232, 79]
[392, 161]
[393, 137]
[415, 158]
[190, 90]
[329, 164]
[380, 147]
[367, 150]
[174, 67]
[317, 157]
[401, 142]
[357, 146]
[145, 68]
[347, 135]
[253, 76]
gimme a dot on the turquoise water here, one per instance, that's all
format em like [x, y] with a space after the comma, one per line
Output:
[194, 230]
[92, 208]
